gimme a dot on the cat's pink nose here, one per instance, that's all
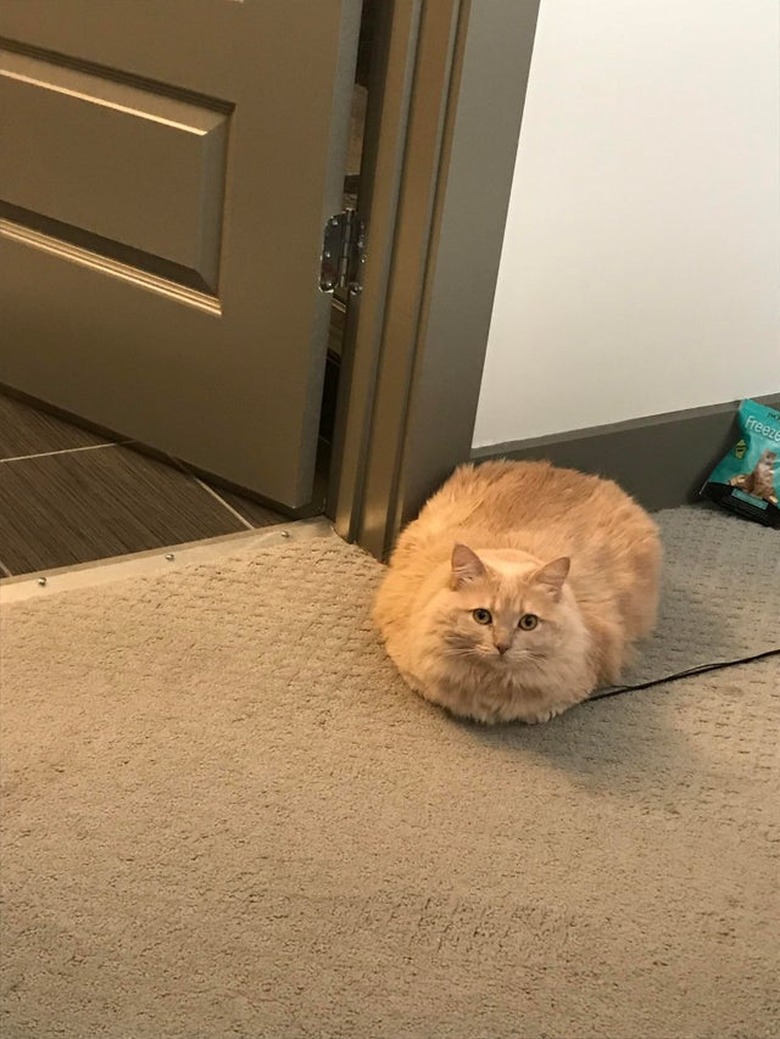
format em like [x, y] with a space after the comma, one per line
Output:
[502, 647]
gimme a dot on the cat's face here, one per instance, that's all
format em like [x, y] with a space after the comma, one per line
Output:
[767, 460]
[502, 613]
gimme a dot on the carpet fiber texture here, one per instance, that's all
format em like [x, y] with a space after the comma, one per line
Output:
[225, 815]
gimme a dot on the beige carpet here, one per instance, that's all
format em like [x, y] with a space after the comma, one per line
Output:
[224, 816]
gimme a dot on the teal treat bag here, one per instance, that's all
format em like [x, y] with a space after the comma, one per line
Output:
[747, 480]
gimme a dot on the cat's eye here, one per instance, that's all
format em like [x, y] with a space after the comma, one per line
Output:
[528, 621]
[482, 616]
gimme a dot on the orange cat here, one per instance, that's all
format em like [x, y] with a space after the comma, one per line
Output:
[760, 483]
[518, 590]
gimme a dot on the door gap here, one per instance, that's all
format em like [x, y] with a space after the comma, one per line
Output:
[350, 200]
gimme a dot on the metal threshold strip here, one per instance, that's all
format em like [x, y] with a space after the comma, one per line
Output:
[158, 560]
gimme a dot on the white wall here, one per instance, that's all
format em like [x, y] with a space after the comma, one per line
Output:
[640, 271]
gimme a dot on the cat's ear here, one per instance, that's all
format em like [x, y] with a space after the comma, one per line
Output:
[552, 576]
[466, 566]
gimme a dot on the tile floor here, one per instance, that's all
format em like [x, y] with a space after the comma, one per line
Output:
[69, 496]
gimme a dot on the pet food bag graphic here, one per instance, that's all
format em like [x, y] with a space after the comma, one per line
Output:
[747, 480]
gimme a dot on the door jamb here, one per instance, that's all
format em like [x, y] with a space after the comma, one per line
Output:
[445, 109]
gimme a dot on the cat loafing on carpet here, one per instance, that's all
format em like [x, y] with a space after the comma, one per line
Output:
[519, 590]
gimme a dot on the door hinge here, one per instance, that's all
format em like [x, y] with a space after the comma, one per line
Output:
[343, 255]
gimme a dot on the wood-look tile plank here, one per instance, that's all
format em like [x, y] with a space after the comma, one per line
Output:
[75, 507]
[255, 513]
[260, 515]
[24, 430]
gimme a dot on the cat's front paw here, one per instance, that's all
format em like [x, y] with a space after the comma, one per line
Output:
[537, 719]
[544, 716]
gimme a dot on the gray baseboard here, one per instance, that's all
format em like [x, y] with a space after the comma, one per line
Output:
[661, 460]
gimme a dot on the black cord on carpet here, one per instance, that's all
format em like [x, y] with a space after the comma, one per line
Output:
[700, 669]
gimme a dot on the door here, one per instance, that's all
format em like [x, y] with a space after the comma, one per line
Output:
[166, 170]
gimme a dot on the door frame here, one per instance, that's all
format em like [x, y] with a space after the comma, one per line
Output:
[448, 88]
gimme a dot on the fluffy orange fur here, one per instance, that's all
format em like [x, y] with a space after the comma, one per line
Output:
[518, 590]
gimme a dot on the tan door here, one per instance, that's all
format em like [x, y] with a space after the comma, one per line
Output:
[166, 169]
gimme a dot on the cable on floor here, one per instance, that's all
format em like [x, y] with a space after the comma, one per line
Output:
[700, 669]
